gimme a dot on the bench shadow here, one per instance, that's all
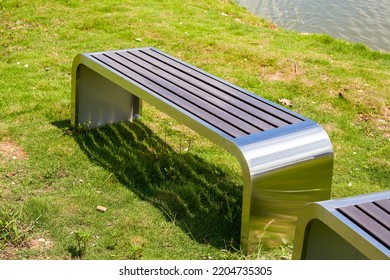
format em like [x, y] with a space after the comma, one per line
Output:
[196, 195]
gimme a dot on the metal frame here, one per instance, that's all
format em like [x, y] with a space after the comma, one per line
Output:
[322, 232]
[283, 168]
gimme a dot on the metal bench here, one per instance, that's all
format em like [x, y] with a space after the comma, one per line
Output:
[348, 228]
[286, 159]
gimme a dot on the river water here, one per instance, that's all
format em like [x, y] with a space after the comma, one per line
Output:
[364, 21]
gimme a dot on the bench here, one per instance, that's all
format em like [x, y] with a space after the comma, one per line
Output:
[286, 159]
[349, 228]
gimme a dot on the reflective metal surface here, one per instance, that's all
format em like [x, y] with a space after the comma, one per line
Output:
[323, 232]
[283, 168]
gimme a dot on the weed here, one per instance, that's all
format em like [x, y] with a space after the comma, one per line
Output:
[13, 232]
[170, 173]
[136, 252]
[82, 239]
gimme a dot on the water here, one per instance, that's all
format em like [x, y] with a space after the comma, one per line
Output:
[364, 21]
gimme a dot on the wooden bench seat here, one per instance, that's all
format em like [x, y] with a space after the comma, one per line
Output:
[286, 158]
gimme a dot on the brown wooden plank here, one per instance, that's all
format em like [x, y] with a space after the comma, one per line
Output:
[158, 90]
[256, 102]
[263, 118]
[367, 223]
[376, 213]
[185, 95]
[206, 96]
[384, 204]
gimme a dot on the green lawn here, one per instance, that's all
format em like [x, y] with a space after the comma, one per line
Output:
[169, 193]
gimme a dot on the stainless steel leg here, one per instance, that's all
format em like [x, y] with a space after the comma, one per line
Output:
[99, 101]
[283, 174]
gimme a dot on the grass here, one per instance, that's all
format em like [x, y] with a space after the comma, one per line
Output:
[169, 193]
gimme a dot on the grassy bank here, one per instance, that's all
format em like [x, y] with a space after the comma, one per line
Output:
[169, 193]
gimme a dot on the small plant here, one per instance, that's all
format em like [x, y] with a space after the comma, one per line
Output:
[136, 252]
[82, 238]
[170, 172]
[182, 147]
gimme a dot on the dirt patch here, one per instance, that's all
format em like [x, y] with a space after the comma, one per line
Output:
[288, 70]
[8, 253]
[383, 122]
[331, 129]
[380, 121]
[40, 243]
[9, 150]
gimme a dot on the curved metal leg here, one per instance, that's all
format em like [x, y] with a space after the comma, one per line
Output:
[98, 101]
[282, 173]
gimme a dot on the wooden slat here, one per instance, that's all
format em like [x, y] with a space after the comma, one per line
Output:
[199, 112]
[176, 77]
[276, 112]
[223, 106]
[185, 95]
[367, 223]
[384, 204]
[376, 213]
[219, 104]
[264, 120]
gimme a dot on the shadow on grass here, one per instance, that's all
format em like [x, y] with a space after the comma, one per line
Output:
[197, 196]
